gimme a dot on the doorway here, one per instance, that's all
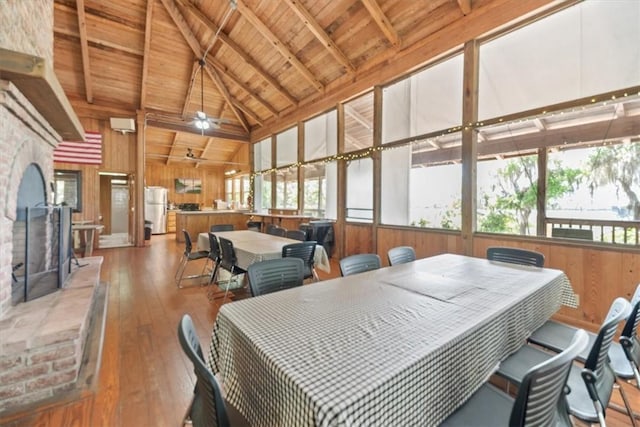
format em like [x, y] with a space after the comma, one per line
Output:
[115, 206]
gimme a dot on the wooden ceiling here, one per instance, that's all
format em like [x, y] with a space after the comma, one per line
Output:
[265, 61]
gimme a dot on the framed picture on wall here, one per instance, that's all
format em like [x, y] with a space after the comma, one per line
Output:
[188, 186]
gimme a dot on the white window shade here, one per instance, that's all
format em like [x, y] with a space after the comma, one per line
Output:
[287, 147]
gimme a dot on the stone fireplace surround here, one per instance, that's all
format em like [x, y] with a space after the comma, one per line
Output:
[42, 341]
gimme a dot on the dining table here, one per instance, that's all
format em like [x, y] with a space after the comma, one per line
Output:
[254, 246]
[402, 345]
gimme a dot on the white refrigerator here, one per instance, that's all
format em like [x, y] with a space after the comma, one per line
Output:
[155, 208]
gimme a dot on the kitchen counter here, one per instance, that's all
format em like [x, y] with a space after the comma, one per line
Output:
[196, 222]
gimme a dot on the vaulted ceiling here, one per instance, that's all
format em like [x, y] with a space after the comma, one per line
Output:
[250, 64]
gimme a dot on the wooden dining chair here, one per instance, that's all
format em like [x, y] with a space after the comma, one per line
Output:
[275, 275]
[540, 400]
[401, 255]
[359, 263]
[515, 256]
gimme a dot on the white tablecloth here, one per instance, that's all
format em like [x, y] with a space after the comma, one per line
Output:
[253, 246]
[402, 345]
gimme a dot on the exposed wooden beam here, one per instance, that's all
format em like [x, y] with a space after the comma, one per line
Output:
[213, 74]
[145, 58]
[192, 81]
[224, 38]
[204, 150]
[96, 42]
[382, 22]
[194, 44]
[315, 28]
[280, 47]
[465, 6]
[84, 48]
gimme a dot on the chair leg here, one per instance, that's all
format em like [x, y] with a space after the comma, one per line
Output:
[315, 275]
[186, 419]
[180, 271]
[627, 406]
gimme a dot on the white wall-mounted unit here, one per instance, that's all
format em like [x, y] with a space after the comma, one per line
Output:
[123, 125]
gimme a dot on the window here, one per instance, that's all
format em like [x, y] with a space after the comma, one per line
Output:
[287, 189]
[262, 189]
[320, 190]
[287, 147]
[421, 186]
[360, 190]
[586, 49]
[321, 136]
[358, 123]
[237, 190]
[262, 155]
[425, 105]
[427, 101]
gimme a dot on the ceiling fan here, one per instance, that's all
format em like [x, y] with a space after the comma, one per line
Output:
[201, 121]
[191, 156]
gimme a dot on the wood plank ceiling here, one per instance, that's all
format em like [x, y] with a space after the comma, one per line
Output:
[262, 60]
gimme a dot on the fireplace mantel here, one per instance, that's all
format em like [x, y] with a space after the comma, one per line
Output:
[38, 83]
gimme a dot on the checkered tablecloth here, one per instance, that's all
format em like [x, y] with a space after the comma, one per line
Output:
[403, 345]
[253, 246]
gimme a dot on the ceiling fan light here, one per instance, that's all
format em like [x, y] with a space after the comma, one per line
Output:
[204, 124]
[200, 124]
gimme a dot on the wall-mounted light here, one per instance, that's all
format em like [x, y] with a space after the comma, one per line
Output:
[231, 172]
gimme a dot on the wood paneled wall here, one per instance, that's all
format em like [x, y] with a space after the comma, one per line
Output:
[164, 176]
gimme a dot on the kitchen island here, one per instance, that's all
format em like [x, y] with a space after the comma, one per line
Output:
[196, 222]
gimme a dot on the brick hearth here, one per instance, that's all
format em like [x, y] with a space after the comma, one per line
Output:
[41, 342]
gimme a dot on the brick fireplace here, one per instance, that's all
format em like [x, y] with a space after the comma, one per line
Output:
[41, 341]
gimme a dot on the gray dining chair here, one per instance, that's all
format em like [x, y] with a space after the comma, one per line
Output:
[592, 385]
[277, 231]
[275, 275]
[306, 252]
[515, 256]
[540, 400]
[228, 262]
[296, 235]
[189, 255]
[207, 407]
[401, 255]
[359, 263]
[221, 227]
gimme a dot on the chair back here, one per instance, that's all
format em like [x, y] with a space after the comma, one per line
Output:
[188, 246]
[359, 263]
[208, 407]
[308, 230]
[221, 227]
[629, 335]
[401, 255]
[597, 373]
[254, 225]
[214, 247]
[275, 275]
[269, 227]
[277, 231]
[228, 259]
[515, 256]
[296, 235]
[304, 251]
[541, 394]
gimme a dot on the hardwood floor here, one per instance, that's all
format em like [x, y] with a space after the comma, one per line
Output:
[145, 379]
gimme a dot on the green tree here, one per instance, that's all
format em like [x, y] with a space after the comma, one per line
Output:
[514, 195]
[619, 165]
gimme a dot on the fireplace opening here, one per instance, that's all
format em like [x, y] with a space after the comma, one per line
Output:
[41, 241]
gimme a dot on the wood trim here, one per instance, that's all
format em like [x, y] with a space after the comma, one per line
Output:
[147, 48]
[465, 6]
[541, 202]
[469, 144]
